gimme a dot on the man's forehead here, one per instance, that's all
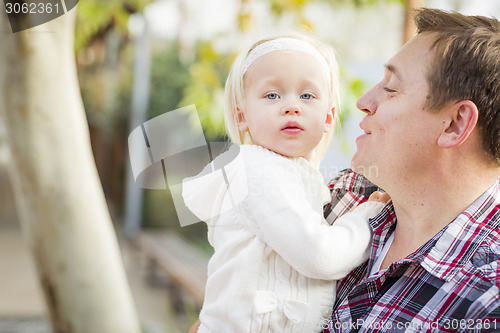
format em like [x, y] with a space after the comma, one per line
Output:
[414, 56]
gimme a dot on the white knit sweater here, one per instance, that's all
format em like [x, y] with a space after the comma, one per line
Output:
[276, 259]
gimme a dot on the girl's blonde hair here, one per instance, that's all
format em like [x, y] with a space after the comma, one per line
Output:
[234, 90]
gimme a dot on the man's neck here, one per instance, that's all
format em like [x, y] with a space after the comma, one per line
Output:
[425, 205]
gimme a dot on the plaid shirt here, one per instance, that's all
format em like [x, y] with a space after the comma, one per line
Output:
[450, 284]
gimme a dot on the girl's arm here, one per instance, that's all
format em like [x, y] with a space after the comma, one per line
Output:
[278, 211]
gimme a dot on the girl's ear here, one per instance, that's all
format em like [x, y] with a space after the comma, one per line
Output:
[330, 118]
[461, 121]
[241, 121]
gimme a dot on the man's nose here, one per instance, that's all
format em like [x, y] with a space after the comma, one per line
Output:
[367, 103]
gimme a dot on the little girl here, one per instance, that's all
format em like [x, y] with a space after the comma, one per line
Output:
[276, 259]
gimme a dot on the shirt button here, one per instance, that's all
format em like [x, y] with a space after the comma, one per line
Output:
[326, 312]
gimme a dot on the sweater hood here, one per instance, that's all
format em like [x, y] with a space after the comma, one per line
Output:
[219, 187]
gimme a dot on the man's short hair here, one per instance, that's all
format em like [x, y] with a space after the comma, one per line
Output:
[466, 66]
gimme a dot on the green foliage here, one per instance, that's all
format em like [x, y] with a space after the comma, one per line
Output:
[95, 16]
[206, 89]
[169, 77]
[105, 78]
[360, 3]
[352, 89]
[279, 7]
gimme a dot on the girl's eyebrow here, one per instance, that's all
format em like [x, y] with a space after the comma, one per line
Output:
[272, 80]
[313, 86]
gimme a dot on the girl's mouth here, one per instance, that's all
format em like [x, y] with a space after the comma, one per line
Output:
[292, 128]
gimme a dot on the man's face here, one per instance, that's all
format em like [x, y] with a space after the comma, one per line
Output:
[400, 137]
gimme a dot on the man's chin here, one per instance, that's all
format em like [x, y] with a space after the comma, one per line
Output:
[356, 165]
[368, 171]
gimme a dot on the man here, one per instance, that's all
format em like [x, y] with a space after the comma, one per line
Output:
[432, 141]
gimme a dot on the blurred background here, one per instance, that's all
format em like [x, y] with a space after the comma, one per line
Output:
[138, 59]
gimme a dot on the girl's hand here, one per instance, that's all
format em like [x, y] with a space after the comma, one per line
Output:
[380, 197]
[195, 327]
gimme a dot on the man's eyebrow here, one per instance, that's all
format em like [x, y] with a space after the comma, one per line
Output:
[393, 70]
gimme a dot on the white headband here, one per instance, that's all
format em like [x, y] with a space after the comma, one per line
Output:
[291, 44]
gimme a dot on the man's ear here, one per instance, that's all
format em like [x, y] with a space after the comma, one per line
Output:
[241, 121]
[330, 118]
[461, 121]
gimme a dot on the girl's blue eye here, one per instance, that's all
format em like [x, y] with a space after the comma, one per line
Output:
[272, 96]
[306, 96]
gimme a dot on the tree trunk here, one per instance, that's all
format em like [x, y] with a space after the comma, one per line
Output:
[58, 195]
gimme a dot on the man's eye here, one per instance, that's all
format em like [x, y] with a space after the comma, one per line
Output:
[272, 96]
[389, 90]
[306, 96]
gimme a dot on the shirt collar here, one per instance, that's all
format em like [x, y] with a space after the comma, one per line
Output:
[382, 225]
[458, 241]
[450, 249]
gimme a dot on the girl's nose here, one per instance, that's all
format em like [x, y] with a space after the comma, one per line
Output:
[291, 108]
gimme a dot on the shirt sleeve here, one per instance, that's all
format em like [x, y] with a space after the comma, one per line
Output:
[279, 213]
